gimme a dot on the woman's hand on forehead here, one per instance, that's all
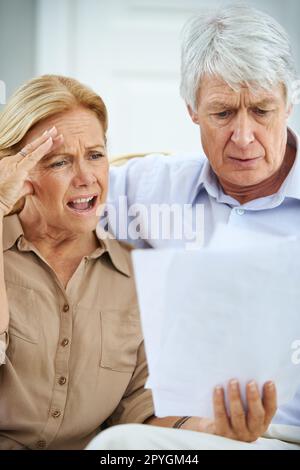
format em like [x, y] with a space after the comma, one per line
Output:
[14, 170]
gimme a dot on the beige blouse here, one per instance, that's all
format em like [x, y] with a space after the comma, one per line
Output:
[75, 357]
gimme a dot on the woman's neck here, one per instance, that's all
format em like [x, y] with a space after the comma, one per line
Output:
[53, 241]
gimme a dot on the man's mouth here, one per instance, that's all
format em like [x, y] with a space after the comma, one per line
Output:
[244, 159]
[245, 162]
[83, 204]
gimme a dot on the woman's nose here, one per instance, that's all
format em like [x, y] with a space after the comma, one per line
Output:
[83, 176]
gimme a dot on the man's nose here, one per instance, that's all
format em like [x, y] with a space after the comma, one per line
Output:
[83, 176]
[242, 133]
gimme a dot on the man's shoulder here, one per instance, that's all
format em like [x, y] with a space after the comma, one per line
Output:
[166, 169]
[167, 160]
[172, 161]
[172, 173]
[158, 177]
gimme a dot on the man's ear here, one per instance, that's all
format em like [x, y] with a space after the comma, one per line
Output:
[194, 116]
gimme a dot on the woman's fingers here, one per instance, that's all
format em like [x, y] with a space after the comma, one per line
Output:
[29, 162]
[14, 175]
[34, 145]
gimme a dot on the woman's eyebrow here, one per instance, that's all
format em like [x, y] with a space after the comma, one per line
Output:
[53, 155]
[93, 147]
[67, 154]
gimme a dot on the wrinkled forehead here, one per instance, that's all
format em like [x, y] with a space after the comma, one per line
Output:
[77, 124]
[214, 90]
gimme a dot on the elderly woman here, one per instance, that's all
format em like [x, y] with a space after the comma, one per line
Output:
[71, 346]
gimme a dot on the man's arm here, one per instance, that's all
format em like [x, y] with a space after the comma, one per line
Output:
[240, 425]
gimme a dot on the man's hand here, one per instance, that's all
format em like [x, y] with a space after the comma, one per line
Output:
[240, 425]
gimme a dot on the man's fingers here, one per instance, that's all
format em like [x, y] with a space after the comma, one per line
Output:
[256, 412]
[32, 146]
[269, 401]
[220, 414]
[237, 412]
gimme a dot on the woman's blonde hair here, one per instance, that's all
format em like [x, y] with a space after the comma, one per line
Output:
[39, 99]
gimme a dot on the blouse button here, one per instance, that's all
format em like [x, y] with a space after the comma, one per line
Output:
[41, 444]
[56, 414]
[62, 380]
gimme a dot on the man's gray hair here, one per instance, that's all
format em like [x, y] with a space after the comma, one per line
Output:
[238, 44]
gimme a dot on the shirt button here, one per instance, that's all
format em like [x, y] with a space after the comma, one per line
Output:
[62, 380]
[65, 342]
[41, 444]
[66, 308]
[240, 211]
[56, 414]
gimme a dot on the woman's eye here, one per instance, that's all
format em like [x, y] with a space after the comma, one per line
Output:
[96, 156]
[58, 164]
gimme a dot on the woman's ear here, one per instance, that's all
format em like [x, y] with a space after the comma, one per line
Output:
[193, 114]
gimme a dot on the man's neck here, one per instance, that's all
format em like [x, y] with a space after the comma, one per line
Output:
[244, 194]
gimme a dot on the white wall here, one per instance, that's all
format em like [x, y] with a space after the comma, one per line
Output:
[17, 43]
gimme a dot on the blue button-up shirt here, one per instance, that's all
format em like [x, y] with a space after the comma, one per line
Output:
[189, 180]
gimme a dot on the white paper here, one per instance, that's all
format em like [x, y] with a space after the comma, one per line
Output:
[219, 313]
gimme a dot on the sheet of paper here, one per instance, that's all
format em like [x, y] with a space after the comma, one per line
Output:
[216, 314]
[151, 267]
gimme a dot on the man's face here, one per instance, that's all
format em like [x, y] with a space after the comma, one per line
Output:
[243, 133]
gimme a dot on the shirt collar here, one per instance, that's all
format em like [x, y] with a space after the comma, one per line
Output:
[115, 249]
[12, 231]
[13, 234]
[290, 188]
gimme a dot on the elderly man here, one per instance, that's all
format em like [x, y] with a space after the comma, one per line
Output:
[237, 76]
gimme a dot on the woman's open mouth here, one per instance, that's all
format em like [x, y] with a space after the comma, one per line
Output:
[83, 204]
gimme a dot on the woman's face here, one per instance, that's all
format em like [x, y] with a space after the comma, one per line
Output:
[71, 182]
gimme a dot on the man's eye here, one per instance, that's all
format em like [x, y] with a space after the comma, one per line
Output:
[58, 164]
[223, 114]
[261, 112]
[96, 156]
